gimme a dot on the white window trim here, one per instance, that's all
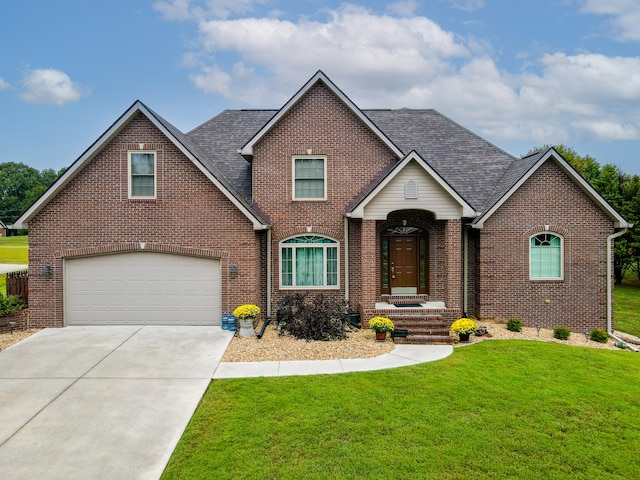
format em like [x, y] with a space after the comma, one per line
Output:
[155, 175]
[293, 246]
[557, 279]
[293, 177]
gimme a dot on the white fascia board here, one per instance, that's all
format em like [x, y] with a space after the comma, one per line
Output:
[73, 170]
[467, 210]
[619, 221]
[247, 149]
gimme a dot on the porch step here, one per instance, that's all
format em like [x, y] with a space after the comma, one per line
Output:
[422, 328]
[404, 299]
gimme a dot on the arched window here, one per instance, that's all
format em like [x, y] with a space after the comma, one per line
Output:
[309, 261]
[545, 257]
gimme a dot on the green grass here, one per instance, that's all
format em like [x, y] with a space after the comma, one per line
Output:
[13, 250]
[500, 409]
[627, 305]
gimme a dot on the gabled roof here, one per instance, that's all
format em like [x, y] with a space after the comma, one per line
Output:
[247, 149]
[522, 170]
[2, 225]
[183, 142]
[356, 208]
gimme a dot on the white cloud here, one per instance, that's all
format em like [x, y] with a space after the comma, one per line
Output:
[49, 87]
[468, 5]
[625, 16]
[3, 84]
[397, 61]
[188, 9]
[404, 8]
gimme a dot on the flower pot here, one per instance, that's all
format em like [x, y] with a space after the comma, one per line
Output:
[246, 327]
[381, 336]
[464, 337]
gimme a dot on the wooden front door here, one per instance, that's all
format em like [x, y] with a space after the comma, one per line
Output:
[404, 264]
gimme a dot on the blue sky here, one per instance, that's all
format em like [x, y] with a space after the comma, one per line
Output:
[520, 73]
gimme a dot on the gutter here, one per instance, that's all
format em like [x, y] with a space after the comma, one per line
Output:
[346, 260]
[610, 239]
[268, 273]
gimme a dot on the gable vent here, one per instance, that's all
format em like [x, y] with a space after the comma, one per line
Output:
[411, 189]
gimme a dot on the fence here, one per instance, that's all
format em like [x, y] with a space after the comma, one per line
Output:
[18, 284]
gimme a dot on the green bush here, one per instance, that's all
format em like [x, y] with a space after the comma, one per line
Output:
[514, 325]
[11, 303]
[599, 335]
[561, 333]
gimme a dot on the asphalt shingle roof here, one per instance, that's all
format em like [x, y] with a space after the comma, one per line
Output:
[479, 171]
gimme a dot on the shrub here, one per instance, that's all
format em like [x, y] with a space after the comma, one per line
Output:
[320, 318]
[561, 333]
[10, 304]
[464, 326]
[599, 335]
[514, 325]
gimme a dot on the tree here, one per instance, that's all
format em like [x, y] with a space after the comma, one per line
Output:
[20, 186]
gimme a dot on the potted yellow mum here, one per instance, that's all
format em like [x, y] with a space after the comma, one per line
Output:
[246, 314]
[381, 325]
[464, 327]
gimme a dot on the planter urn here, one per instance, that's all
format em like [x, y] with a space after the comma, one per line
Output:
[464, 337]
[381, 336]
[246, 327]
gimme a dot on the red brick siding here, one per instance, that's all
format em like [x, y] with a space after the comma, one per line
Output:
[93, 214]
[319, 122]
[504, 291]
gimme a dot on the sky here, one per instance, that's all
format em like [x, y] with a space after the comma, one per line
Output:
[520, 73]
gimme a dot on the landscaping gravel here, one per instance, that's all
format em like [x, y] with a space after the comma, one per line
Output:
[8, 339]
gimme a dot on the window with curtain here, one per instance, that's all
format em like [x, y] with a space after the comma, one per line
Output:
[309, 261]
[309, 179]
[545, 257]
[142, 175]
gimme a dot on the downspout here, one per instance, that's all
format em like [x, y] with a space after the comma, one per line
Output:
[465, 272]
[610, 239]
[269, 273]
[346, 260]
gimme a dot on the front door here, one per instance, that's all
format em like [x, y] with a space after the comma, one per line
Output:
[404, 264]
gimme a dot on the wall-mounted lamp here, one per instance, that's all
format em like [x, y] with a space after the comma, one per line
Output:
[233, 271]
[47, 271]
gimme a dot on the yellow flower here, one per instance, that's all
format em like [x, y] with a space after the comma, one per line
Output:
[464, 326]
[381, 324]
[246, 311]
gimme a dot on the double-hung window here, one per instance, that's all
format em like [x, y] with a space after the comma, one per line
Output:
[142, 175]
[309, 178]
[309, 261]
[545, 257]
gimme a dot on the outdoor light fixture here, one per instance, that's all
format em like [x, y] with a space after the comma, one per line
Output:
[233, 271]
[46, 271]
[539, 327]
[586, 336]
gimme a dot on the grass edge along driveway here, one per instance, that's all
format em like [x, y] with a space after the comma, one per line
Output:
[498, 409]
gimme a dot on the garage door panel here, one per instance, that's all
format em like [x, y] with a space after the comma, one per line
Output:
[142, 288]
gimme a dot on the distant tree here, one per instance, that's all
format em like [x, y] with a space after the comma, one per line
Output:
[20, 186]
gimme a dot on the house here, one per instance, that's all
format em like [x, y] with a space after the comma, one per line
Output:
[3, 229]
[398, 212]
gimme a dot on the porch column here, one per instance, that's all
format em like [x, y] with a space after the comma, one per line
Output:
[369, 274]
[453, 252]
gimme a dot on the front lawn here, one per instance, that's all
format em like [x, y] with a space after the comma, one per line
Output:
[13, 250]
[498, 409]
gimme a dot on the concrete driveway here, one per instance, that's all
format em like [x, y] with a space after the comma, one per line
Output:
[101, 402]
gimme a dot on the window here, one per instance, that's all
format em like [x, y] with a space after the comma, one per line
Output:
[309, 261]
[545, 257]
[142, 175]
[309, 178]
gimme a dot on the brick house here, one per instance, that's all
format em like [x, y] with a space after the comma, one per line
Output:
[3, 229]
[398, 212]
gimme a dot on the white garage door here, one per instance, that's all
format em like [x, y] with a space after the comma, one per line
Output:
[142, 288]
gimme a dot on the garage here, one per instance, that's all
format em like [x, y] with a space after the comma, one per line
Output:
[142, 288]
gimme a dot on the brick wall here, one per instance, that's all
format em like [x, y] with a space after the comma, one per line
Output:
[93, 214]
[322, 124]
[549, 198]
